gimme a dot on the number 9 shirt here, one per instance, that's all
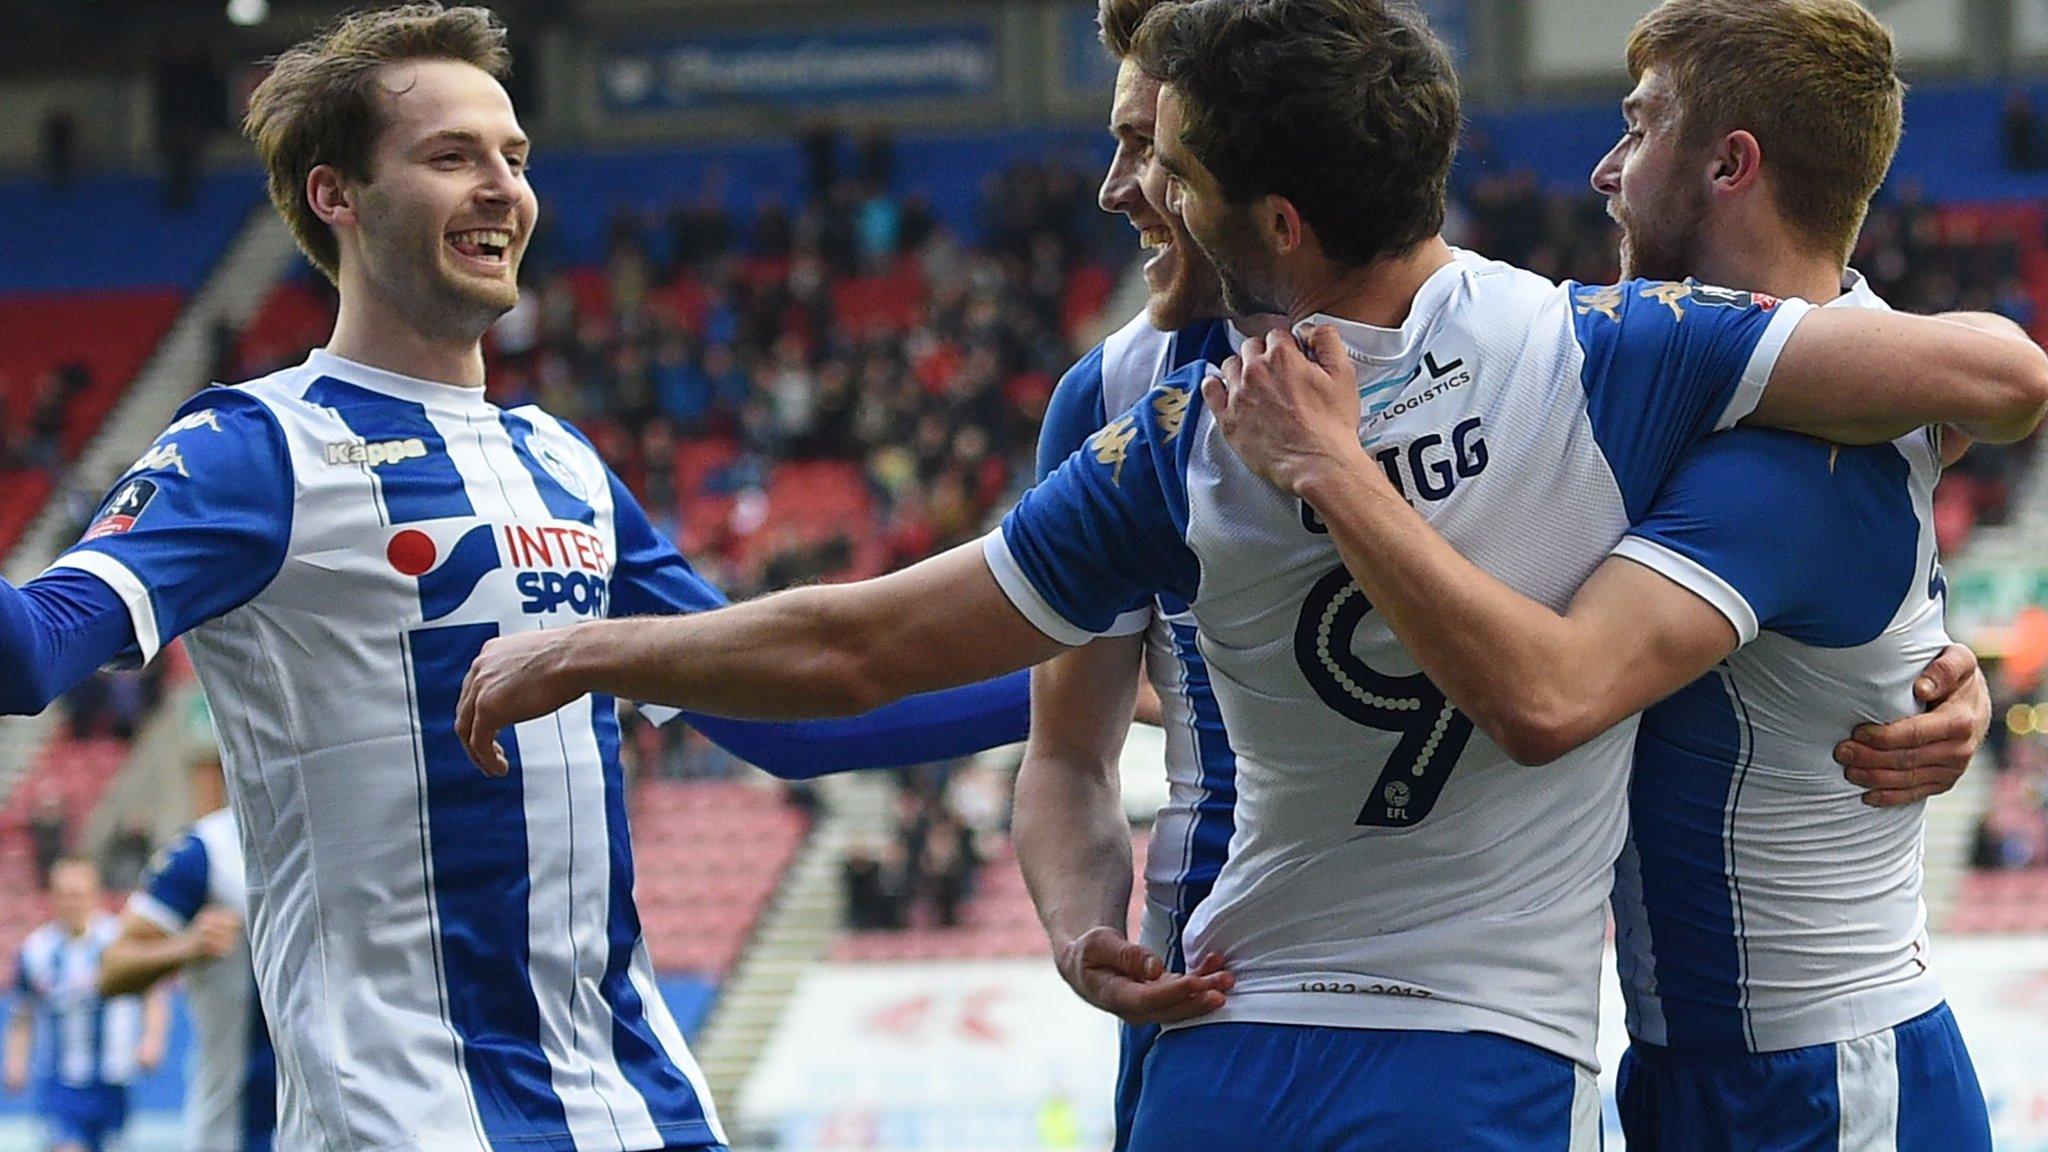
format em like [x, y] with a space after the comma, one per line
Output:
[1391, 867]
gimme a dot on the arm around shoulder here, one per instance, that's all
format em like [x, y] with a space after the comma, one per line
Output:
[1860, 376]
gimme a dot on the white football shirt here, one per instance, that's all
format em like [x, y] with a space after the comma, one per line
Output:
[1760, 904]
[1390, 867]
[447, 961]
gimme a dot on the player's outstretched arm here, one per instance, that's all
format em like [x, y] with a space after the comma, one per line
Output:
[21, 1035]
[1073, 843]
[1866, 377]
[826, 651]
[921, 729]
[145, 953]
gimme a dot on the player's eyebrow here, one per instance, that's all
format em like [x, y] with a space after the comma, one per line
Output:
[465, 136]
[1632, 107]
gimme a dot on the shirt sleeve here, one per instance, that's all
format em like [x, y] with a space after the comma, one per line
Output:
[1076, 412]
[918, 730]
[650, 577]
[198, 526]
[176, 887]
[1106, 532]
[54, 631]
[1782, 533]
[1666, 364]
[1073, 414]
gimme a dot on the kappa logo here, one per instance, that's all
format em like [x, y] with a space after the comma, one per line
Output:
[162, 457]
[376, 453]
[204, 418]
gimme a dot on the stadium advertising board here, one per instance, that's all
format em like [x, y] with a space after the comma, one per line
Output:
[1998, 988]
[798, 68]
[991, 1055]
[998, 1056]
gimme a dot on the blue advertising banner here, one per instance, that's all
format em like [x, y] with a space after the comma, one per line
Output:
[1085, 63]
[1452, 22]
[798, 68]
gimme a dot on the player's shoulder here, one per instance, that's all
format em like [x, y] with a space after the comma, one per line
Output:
[217, 835]
[1492, 297]
[41, 941]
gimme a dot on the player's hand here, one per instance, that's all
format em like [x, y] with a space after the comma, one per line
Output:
[1289, 417]
[1909, 760]
[514, 678]
[17, 1078]
[215, 932]
[1130, 982]
[149, 1052]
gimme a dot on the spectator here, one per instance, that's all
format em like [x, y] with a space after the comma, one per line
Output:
[2020, 131]
[873, 895]
[49, 834]
[126, 854]
[60, 147]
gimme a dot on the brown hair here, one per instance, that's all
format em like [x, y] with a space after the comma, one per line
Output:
[1118, 22]
[1813, 80]
[319, 106]
[1348, 108]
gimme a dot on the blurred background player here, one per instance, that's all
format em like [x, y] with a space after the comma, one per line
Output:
[83, 1048]
[190, 917]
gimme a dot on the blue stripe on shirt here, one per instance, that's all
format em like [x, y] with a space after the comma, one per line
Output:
[671, 1098]
[1679, 806]
[478, 836]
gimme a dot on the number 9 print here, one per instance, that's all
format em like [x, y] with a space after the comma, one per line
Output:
[1433, 732]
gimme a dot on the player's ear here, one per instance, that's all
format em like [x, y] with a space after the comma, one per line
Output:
[1737, 163]
[330, 195]
[1281, 222]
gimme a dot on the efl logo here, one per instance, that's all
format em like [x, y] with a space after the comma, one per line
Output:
[376, 454]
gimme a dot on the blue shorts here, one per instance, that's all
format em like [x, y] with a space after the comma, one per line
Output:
[1264, 1087]
[1906, 1089]
[86, 1117]
[1132, 1048]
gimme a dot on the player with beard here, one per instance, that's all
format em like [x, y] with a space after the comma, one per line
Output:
[1778, 591]
[1072, 838]
[1403, 905]
[445, 961]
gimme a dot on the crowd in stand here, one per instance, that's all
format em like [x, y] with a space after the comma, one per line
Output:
[925, 872]
[2014, 830]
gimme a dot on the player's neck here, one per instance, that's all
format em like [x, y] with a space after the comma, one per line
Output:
[1772, 262]
[1380, 293]
[369, 332]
